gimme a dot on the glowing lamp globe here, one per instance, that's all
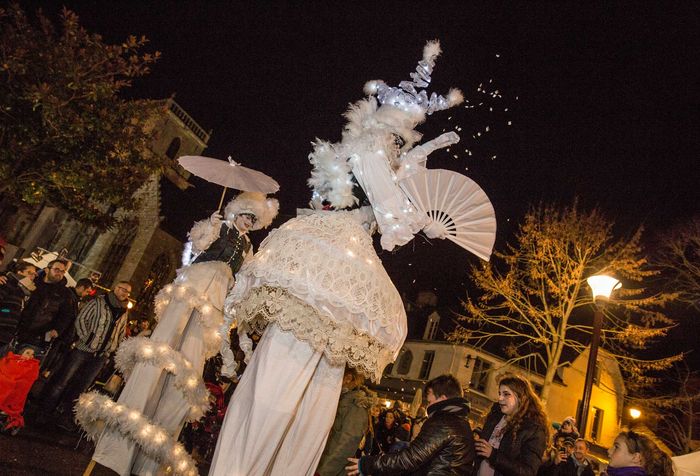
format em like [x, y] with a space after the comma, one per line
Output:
[602, 286]
[634, 413]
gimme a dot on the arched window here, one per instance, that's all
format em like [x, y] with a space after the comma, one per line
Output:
[405, 363]
[160, 274]
[118, 250]
[173, 148]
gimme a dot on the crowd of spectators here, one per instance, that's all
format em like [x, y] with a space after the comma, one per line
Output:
[55, 340]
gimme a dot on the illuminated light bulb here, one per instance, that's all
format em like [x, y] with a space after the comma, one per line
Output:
[134, 415]
[191, 382]
[130, 305]
[350, 254]
[206, 309]
[147, 351]
[177, 450]
[163, 349]
[159, 437]
[168, 288]
[188, 364]
[182, 465]
[369, 261]
[146, 430]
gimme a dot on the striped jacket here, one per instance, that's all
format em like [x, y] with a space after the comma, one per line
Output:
[92, 326]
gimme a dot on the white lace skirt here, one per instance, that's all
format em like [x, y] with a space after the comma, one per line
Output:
[325, 262]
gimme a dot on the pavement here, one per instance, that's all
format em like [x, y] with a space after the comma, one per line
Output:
[46, 451]
[50, 451]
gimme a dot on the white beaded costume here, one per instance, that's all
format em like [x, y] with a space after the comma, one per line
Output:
[318, 293]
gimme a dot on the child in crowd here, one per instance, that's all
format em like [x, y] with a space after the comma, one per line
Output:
[636, 454]
[18, 372]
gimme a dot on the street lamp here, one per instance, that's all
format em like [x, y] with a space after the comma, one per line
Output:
[601, 286]
[635, 413]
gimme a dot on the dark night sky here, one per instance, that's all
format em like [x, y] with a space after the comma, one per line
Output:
[603, 100]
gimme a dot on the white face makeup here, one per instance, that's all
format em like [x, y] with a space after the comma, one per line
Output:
[507, 400]
[243, 222]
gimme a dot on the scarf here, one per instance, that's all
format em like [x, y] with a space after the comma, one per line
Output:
[451, 405]
[627, 471]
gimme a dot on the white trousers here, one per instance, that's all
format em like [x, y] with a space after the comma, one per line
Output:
[280, 414]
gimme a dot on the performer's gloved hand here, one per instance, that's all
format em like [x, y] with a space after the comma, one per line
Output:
[216, 218]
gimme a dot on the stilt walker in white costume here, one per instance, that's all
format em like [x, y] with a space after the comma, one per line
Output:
[317, 291]
[164, 389]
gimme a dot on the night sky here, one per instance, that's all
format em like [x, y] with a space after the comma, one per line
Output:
[602, 101]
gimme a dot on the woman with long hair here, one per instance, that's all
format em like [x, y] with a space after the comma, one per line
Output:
[637, 454]
[515, 433]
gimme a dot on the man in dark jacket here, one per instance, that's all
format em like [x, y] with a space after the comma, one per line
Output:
[15, 289]
[444, 446]
[50, 310]
[577, 464]
[100, 327]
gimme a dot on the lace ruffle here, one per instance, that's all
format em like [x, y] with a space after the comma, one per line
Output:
[341, 343]
[329, 258]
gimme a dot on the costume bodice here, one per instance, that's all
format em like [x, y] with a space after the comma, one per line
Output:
[230, 247]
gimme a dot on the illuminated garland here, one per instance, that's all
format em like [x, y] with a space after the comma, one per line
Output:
[144, 350]
[95, 412]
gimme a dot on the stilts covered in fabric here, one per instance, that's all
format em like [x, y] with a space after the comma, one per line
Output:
[164, 387]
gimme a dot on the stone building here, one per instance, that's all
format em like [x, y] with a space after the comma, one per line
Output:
[141, 251]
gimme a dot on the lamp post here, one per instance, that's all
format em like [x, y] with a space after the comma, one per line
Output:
[601, 286]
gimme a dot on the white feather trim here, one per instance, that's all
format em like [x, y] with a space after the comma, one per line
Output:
[159, 354]
[455, 97]
[203, 234]
[94, 412]
[265, 209]
[371, 87]
[331, 176]
[431, 51]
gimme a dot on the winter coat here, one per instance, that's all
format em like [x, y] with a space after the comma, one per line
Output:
[12, 299]
[570, 468]
[520, 453]
[93, 327]
[51, 306]
[445, 446]
[387, 437]
[351, 422]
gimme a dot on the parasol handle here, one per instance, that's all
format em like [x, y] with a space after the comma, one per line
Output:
[221, 202]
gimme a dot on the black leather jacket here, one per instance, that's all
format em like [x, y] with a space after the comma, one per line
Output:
[518, 454]
[444, 446]
[51, 306]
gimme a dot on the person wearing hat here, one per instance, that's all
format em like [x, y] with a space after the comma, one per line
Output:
[164, 386]
[567, 429]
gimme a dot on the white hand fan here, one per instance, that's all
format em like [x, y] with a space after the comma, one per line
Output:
[459, 209]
